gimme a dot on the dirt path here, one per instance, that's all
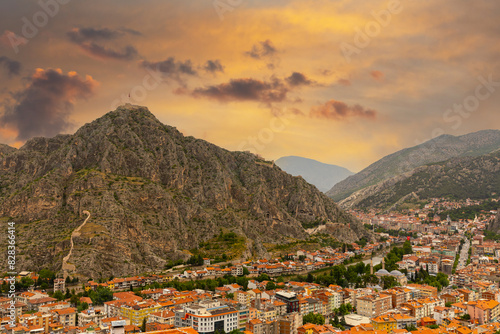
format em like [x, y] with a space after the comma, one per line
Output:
[67, 267]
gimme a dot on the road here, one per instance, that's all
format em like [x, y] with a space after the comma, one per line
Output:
[68, 267]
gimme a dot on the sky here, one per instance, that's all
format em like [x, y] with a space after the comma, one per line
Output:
[342, 82]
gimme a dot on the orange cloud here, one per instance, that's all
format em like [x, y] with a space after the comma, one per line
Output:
[339, 111]
[377, 75]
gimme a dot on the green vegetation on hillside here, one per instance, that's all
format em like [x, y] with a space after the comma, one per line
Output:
[469, 212]
[229, 244]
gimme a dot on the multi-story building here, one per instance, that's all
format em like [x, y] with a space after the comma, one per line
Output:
[66, 317]
[243, 298]
[91, 315]
[483, 311]
[290, 299]
[404, 320]
[397, 296]
[207, 320]
[384, 323]
[165, 317]
[374, 305]
[243, 317]
[137, 311]
[256, 326]
[59, 285]
[332, 299]
[37, 319]
[288, 324]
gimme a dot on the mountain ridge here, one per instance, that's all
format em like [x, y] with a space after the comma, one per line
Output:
[153, 195]
[438, 149]
[475, 177]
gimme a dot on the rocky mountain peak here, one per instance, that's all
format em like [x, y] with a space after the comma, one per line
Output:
[153, 195]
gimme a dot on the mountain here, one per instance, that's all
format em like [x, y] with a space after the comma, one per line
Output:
[323, 176]
[153, 194]
[494, 225]
[439, 149]
[459, 178]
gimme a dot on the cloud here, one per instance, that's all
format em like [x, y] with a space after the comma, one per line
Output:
[44, 106]
[245, 89]
[172, 69]
[377, 75]
[339, 111]
[79, 35]
[128, 53]
[298, 79]
[13, 67]
[11, 40]
[261, 50]
[249, 89]
[213, 66]
[87, 39]
[344, 82]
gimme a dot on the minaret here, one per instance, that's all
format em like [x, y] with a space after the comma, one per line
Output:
[383, 263]
[371, 266]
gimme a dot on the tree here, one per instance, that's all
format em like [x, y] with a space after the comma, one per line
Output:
[465, 317]
[101, 295]
[46, 274]
[389, 282]
[26, 282]
[74, 300]
[83, 306]
[310, 278]
[68, 294]
[410, 328]
[263, 277]
[349, 307]
[447, 304]
[270, 286]
[407, 247]
[143, 326]
[313, 318]
[246, 271]
[58, 295]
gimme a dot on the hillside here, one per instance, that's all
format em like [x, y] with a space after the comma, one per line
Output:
[458, 178]
[494, 225]
[152, 193]
[323, 176]
[439, 149]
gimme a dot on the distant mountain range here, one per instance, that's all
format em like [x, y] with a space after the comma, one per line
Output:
[153, 194]
[436, 150]
[457, 178]
[323, 176]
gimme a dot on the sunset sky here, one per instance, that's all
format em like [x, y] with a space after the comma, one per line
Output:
[343, 82]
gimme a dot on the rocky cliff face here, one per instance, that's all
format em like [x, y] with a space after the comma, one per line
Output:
[152, 194]
[494, 225]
